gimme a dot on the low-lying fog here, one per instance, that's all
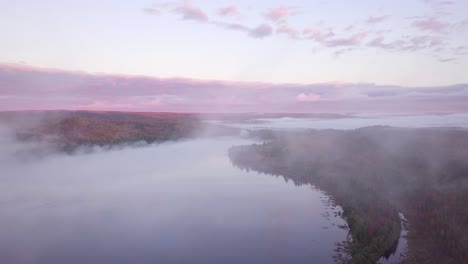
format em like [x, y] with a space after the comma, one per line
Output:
[171, 203]
[357, 121]
[178, 202]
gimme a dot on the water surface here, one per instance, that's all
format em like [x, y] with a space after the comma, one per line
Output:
[171, 203]
[358, 121]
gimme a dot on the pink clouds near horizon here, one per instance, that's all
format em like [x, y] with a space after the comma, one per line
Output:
[310, 97]
[29, 88]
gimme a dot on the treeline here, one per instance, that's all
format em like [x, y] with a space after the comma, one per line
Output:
[71, 130]
[374, 173]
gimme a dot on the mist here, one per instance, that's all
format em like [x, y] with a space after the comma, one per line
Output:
[172, 202]
[377, 173]
[281, 189]
[190, 131]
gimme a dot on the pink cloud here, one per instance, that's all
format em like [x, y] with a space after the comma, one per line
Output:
[263, 30]
[352, 40]
[105, 105]
[189, 12]
[308, 97]
[377, 42]
[346, 39]
[228, 11]
[278, 14]
[290, 31]
[29, 88]
[432, 24]
[316, 34]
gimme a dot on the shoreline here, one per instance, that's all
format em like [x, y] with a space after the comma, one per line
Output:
[365, 247]
[374, 174]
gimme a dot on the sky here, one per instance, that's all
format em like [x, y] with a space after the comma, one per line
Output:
[236, 55]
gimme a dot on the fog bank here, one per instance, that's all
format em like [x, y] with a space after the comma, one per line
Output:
[176, 202]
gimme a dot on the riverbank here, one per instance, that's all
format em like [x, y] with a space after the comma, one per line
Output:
[177, 202]
[374, 173]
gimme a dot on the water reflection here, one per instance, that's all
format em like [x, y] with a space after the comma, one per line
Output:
[173, 203]
[400, 248]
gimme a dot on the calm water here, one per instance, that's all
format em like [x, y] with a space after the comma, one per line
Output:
[358, 121]
[172, 203]
[451, 120]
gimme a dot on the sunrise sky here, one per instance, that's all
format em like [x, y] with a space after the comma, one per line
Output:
[235, 56]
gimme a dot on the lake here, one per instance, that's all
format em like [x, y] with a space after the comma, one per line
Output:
[179, 202]
[360, 120]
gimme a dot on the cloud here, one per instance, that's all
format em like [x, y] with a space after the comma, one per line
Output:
[435, 39]
[460, 50]
[29, 88]
[432, 24]
[375, 20]
[288, 30]
[446, 2]
[308, 97]
[424, 42]
[341, 41]
[261, 31]
[316, 34]
[329, 39]
[278, 14]
[229, 11]
[439, 2]
[382, 93]
[409, 43]
[189, 12]
[352, 40]
[447, 59]
[379, 42]
[349, 28]
[232, 26]
[461, 25]
[453, 90]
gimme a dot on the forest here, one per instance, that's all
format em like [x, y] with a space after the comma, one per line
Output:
[69, 130]
[373, 174]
